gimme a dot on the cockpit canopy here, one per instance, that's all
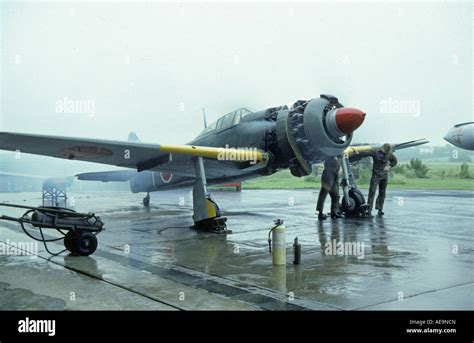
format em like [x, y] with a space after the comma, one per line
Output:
[227, 120]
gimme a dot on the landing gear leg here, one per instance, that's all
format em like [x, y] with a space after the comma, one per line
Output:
[207, 215]
[353, 202]
[146, 200]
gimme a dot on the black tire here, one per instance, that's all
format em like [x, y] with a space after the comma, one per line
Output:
[86, 243]
[70, 241]
[146, 201]
[356, 200]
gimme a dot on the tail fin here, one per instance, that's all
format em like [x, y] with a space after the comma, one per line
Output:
[132, 137]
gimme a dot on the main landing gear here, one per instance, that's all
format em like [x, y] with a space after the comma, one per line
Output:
[146, 200]
[353, 202]
[207, 216]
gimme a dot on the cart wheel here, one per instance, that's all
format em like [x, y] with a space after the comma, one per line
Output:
[69, 241]
[85, 243]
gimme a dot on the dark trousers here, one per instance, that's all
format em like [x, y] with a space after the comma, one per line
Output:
[333, 193]
[382, 184]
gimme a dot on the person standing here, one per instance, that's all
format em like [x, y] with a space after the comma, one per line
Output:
[383, 160]
[329, 185]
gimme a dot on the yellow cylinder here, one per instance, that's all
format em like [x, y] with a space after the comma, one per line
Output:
[278, 245]
[279, 278]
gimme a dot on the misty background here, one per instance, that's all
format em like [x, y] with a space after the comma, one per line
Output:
[152, 67]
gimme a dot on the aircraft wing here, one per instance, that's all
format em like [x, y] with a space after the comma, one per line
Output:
[356, 151]
[409, 144]
[135, 155]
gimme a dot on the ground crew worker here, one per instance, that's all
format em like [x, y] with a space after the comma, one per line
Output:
[329, 184]
[383, 161]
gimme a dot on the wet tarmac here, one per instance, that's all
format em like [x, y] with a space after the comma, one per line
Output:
[419, 256]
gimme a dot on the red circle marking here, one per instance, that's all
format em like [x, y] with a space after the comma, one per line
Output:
[166, 176]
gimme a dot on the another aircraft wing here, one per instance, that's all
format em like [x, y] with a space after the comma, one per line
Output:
[366, 148]
[409, 144]
[139, 156]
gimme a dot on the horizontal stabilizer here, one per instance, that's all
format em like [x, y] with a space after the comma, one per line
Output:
[114, 176]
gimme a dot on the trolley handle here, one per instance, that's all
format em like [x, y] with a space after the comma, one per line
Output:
[12, 219]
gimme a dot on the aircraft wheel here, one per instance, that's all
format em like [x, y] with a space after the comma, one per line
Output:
[86, 243]
[146, 200]
[356, 200]
[69, 241]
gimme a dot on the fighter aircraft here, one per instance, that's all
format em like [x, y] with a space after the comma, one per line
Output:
[240, 145]
[461, 135]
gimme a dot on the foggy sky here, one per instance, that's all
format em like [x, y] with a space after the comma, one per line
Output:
[150, 68]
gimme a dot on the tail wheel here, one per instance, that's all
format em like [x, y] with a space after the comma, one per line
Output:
[356, 200]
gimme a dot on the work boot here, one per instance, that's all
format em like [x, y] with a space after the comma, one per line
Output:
[322, 216]
[381, 212]
[335, 215]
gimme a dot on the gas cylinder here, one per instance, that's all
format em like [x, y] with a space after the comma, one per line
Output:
[278, 243]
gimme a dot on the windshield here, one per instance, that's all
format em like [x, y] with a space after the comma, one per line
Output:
[228, 120]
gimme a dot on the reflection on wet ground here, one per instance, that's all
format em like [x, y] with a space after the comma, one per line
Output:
[418, 256]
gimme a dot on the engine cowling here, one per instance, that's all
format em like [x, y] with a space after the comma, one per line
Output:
[310, 131]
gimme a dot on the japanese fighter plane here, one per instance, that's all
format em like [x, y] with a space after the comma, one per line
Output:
[240, 145]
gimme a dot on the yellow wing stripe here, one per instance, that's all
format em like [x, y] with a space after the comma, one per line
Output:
[353, 150]
[222, 154]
